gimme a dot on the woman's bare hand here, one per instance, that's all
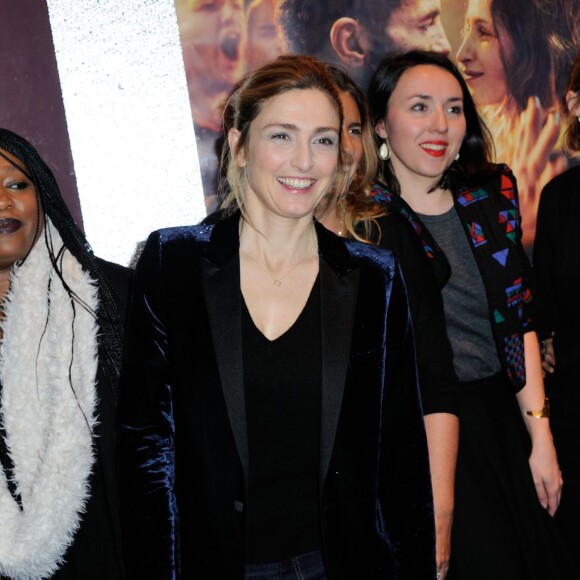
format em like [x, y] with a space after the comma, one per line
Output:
[533, 159]
[548, 356]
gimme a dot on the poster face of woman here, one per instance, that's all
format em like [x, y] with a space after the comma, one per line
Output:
[480, 54]
[488, 39]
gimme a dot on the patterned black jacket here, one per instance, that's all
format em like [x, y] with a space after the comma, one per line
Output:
[491, 216]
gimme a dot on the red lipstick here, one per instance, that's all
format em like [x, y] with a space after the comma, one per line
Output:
[434, 148]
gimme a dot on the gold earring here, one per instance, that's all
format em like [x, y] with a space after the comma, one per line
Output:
[384, 151]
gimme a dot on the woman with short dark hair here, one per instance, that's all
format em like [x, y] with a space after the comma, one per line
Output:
[464, 213]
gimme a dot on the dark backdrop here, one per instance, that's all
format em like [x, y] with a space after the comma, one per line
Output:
[30, 96]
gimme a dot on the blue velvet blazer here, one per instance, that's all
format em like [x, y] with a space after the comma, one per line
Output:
[183, 454]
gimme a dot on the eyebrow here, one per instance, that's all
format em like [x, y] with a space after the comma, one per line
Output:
[429, 16]
[479, 20]
[292, 127]
[13, 169]
[419, 96]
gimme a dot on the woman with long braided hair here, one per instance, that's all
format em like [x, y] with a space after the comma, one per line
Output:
[61, 327]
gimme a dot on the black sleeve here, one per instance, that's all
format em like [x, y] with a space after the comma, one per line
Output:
[437, 379]
[145, 450]
[404, 481]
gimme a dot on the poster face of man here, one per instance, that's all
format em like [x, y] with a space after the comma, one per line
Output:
[417, 24]
[406, 25]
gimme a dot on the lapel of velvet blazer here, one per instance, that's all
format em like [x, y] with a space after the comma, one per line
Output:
[221, 283]
[339, 290]
[339, 280]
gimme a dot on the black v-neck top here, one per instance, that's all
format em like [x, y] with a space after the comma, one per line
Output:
[282, 381]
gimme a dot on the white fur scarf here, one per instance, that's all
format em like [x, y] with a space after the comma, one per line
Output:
[46, 415]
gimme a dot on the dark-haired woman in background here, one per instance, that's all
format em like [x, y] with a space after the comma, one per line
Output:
[557, 265]
[353, 213]
[464, 212]
[270, 420]
[61, 323]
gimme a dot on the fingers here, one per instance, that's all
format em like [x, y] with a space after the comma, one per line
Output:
[442, 555]
[546, 474]
[549, 492]
[443, 524]
[442, 569]
[535, 136]
[542, 493]
[548, 356]
[547, 137]
[554, 494]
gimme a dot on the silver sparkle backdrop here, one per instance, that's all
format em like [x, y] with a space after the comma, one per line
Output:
[129, 119]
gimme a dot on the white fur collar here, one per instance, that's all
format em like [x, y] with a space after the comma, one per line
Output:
[48, 422]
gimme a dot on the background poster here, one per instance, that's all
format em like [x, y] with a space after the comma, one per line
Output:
[514, 54]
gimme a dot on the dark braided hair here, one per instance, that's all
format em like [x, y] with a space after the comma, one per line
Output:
[52, 205]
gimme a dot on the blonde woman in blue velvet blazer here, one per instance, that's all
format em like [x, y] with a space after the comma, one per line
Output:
[322, 465]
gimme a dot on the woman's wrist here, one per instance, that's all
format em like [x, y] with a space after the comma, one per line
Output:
[539, 431]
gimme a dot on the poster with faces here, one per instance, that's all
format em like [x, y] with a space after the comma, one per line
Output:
[124, 100]
[513, 55]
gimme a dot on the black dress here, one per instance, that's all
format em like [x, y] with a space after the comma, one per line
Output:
[500, 531]
[557, 265]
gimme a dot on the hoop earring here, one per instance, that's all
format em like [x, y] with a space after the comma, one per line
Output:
[384, 151]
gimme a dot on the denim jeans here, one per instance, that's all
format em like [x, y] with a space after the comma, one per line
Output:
[304, 567]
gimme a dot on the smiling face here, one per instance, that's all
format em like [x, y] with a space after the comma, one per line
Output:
[20, 223]
[211, 37]
[425, 125]
[291, 156]
[480, 54]
[416, 24]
